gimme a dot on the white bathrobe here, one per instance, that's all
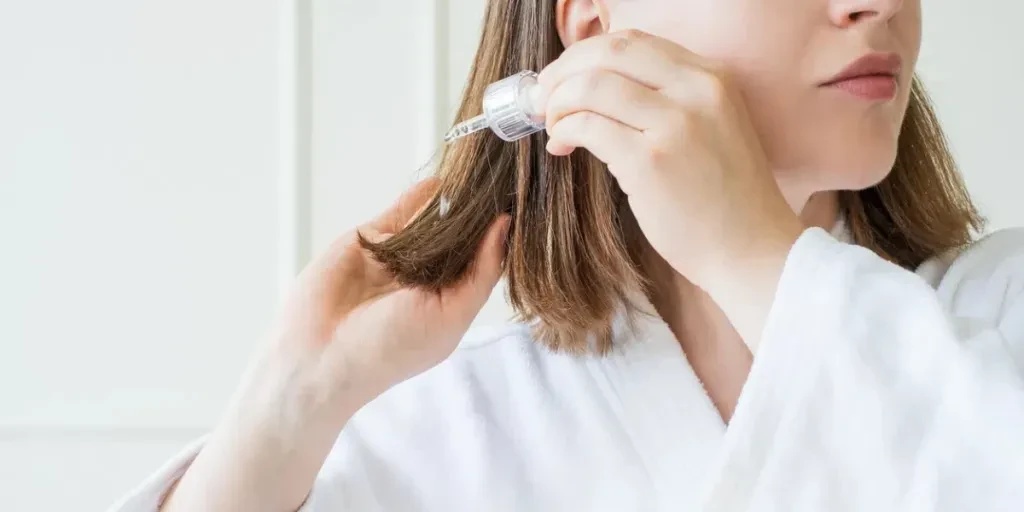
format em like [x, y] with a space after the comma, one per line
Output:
[874, 388]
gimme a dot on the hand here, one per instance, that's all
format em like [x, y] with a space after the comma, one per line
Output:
[357, 328]
[678, 139]
[347, 333]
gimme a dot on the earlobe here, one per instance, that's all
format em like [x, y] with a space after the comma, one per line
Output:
[577, 20]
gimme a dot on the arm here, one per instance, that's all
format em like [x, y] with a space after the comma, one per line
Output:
[347, 333]
[265, 454]
[270, 445]
[871, 390]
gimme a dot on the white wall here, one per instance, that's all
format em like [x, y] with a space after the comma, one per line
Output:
[165, 165]
[138, 237]
[972, 61]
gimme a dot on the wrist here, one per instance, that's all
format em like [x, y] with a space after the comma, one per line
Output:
[286, 392]
[268, 448]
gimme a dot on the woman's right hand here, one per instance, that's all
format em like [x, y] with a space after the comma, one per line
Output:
[356, 329]
[347, 332]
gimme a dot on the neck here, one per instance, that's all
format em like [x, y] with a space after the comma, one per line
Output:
[718, 355]
[673, 291]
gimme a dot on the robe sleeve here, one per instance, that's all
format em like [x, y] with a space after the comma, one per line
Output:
[873, 390]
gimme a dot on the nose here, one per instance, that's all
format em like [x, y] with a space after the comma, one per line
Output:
[846, 13]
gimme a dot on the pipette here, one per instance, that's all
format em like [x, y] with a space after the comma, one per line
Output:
[509, 110]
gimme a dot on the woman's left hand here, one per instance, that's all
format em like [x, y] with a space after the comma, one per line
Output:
[678, 139]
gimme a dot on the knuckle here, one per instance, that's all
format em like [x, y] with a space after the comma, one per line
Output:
[573, 125]
[658, 157]
[583, 121]
[574, 90]
[664, 143]
[588, 82]
[659, 150]
[683, 122]
[565, 99]
[634, 34]
[715, 88]
[623, 41]
[617, 46]
[687, 129]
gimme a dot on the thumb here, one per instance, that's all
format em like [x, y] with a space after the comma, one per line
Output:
[470, 293]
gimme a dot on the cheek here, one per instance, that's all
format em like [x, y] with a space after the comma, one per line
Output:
[826, 142]
[713, 28]
[907, 29]
[814, 139]
[818, 139]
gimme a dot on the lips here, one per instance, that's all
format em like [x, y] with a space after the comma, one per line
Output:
[874, 76]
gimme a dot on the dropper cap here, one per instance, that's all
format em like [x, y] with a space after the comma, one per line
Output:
[509, 110]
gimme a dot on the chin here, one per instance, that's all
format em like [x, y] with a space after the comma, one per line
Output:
[852, 171]
[858, 177]
[853, 166]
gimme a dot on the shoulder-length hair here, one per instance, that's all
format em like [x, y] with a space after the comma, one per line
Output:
[573, 248]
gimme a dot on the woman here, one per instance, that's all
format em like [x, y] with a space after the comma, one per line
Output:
[767, 301]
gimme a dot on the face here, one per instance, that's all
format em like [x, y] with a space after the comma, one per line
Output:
[779, 53]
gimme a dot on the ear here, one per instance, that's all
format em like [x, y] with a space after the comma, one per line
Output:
[579, 19]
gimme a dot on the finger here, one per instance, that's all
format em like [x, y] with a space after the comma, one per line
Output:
[406, 207]
[466, 297]
[374, 273]
[609, 140]
[612, 142]
[345, 253]
[609, 94]
[650, 60]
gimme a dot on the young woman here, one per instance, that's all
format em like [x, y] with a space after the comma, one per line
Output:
[743, 264]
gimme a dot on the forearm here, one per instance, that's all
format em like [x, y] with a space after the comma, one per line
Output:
[268, 449]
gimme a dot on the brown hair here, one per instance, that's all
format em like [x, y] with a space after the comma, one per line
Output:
[573, 257]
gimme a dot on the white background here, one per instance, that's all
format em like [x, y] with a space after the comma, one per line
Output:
[166, 166]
